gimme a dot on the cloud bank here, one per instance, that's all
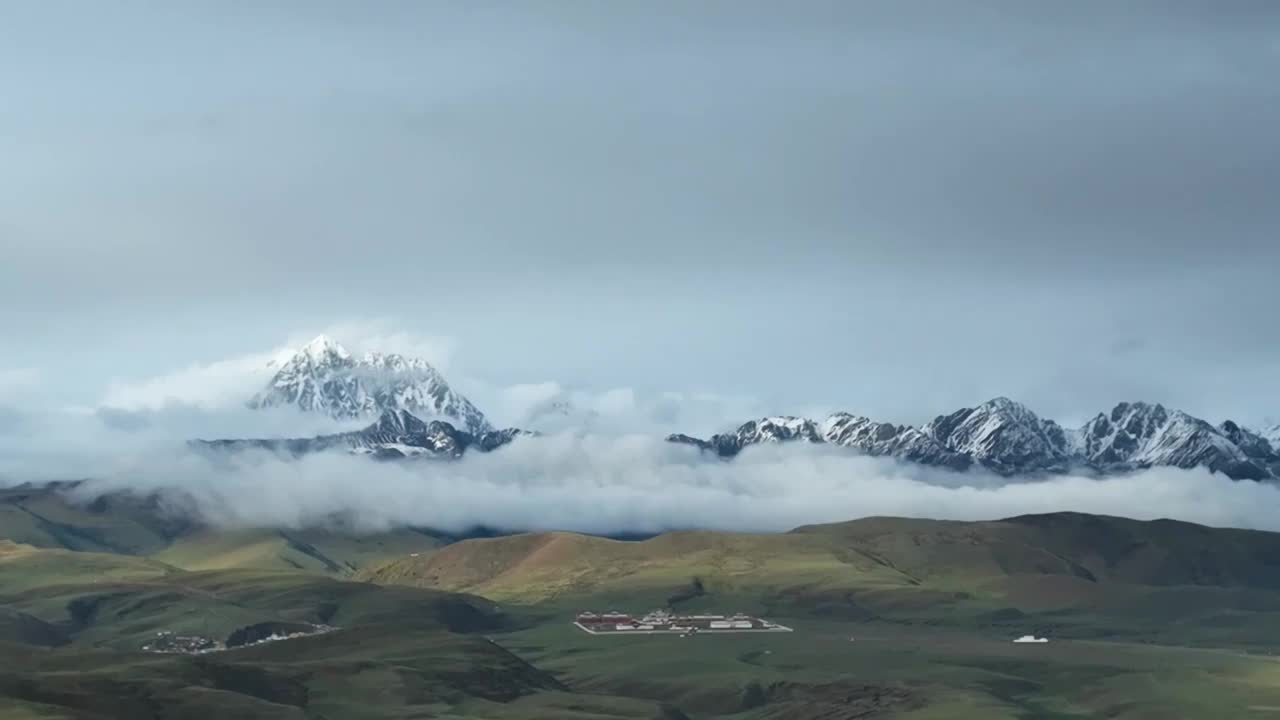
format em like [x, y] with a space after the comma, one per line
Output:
[602, 467]
[635, 484]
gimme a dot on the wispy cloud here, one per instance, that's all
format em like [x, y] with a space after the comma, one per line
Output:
[225, 385]
[386, 335]
[220, 384]
[551, 406]
[18, 381]
[228, 383]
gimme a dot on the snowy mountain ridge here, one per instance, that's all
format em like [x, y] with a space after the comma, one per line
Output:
[409, 398]
[324, 377]
[1007, 438]
[1272, 435]
[397, 434]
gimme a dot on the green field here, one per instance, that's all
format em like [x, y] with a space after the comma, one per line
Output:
[894, 619]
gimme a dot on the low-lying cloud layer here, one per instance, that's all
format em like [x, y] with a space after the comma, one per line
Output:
[640, 484]
[602, 467]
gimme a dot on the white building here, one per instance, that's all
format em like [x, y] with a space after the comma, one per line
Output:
[1031, 639]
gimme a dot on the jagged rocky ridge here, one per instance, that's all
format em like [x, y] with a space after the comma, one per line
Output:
[323, 377]
[1007, 438]
[398, 434]
[1272, 435]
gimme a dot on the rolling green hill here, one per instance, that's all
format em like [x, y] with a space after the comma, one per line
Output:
[73, 625]
[893, 618]
[125, 524]
[1076, 574]
[1148, 619]
[1091, 547]
[544, 566]
[864, 553]
[312, 550]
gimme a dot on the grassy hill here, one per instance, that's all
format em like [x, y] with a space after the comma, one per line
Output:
[904, 618]
[1091, 547]
[73, 624]
[1075, 574]
[83, 587]
[544, 566]
[893, 618]
[869, 552]
[43, 517]
[311, 550]
[126, 524]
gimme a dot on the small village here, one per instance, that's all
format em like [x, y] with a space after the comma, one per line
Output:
[168, 642]
[661, 622]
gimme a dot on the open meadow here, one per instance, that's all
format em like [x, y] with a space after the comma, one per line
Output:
[891, 618]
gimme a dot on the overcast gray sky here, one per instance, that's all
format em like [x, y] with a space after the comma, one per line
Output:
[893, 207]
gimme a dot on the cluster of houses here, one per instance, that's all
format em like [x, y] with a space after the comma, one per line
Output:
[169, 642]
[661, 621]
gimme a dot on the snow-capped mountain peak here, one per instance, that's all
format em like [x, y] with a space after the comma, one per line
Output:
[1142, 435]
[881, 438]
[1004, 434]
[324, 377]
[397, 362]
[782, 427]
[323, 349]
[779, 428]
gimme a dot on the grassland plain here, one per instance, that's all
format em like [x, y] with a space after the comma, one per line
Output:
[73, 624]
[904, 618]
[894, 618]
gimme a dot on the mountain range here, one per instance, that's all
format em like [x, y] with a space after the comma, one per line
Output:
[1007, 438]
[416, 414]
[396, 435]
[324, 377]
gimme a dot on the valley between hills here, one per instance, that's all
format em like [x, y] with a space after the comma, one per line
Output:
[893, 618]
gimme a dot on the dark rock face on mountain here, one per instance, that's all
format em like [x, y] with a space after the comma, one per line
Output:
[1007, 438]
[397, 434]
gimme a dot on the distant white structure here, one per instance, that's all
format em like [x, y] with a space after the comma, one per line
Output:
[1031, 639]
